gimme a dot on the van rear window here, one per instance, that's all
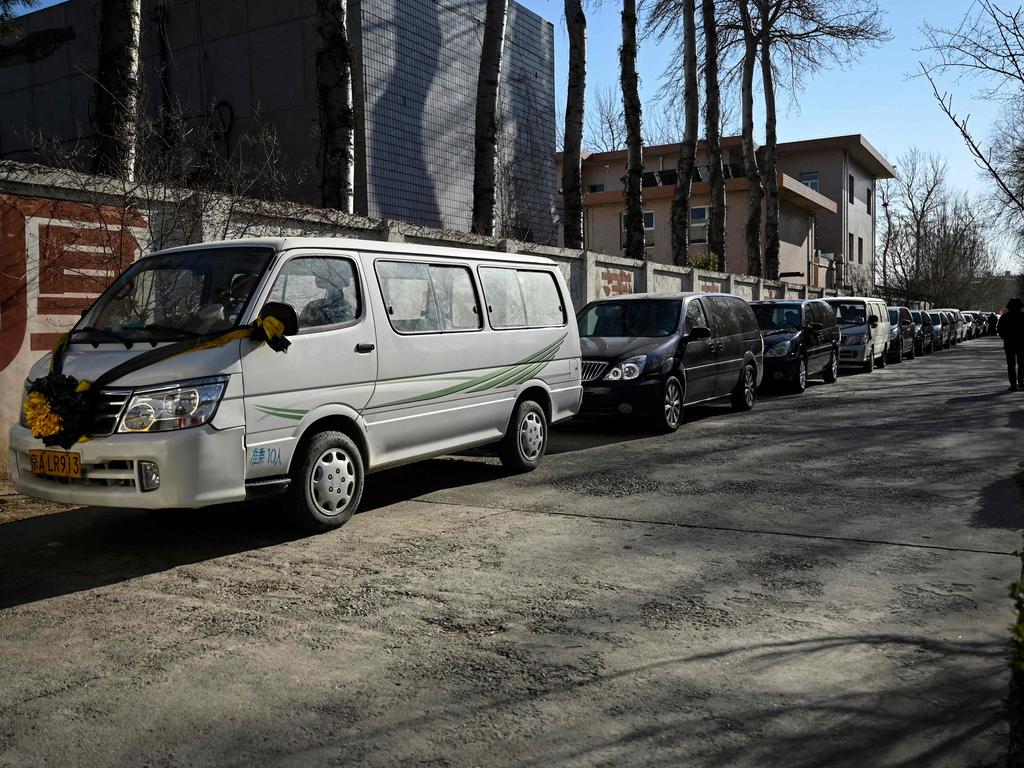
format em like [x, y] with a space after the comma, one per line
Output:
[521, 298]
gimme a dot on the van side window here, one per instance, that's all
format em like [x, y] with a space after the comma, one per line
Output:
[725, 323]
[695, 316]
[428, 298]
[520, 298]
[322, 290]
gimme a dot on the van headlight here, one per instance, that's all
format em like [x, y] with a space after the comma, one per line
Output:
[894, 333]
[174, 406]
[855, 339]
[779, 350]
[627, 370]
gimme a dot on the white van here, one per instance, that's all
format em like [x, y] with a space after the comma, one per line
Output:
[865, 328]
[397, 353]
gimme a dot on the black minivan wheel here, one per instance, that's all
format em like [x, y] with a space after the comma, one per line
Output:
[831, 373]
[671, 414]
[799, 383]
[326, 482]
[526, 438]
[744, 395]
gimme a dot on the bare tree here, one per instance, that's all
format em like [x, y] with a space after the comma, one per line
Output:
[486, 130]
[334, 103]
[572, 174]
[755, 193]
[798, 37]
[688, 148]
[604, 128]
[629, 81]
[936, 241]
[118, 88]
[712, 128]
[987, 47]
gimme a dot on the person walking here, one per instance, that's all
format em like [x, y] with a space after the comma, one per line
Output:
[1011, 331]
[993, 321]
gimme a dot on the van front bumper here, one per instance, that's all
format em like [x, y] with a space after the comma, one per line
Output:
[643, 398]
[854, 354]
[198, 467]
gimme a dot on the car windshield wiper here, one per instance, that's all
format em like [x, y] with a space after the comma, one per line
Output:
[105, 334]
[172, 329]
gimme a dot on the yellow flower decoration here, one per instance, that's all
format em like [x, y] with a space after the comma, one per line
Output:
[40, 417]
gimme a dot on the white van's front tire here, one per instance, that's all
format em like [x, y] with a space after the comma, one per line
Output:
[327, 482]
[526, 439]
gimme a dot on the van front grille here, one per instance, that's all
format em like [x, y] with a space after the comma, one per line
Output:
[109, 403]
[592, 369]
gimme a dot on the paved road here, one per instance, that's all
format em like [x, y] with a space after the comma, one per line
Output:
[819, 582]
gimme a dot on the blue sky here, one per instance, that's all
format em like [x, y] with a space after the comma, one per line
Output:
[874, 96]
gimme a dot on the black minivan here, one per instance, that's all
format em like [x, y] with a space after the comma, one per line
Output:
[801, 340]
[648, 355]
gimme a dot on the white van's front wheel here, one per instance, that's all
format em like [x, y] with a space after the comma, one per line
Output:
[526, 438]
[327, 484]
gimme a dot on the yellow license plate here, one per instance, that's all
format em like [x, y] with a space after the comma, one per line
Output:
[56, 463]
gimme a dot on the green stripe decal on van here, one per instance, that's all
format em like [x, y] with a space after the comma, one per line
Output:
[512, 374]
[284, 413]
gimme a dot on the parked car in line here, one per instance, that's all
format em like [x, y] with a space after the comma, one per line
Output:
[903, 336]
[950, 321]
[651, 355]
[397, 353]
[940, 330]
[968, 325]
[801, 341]
[923, 337]
[864, 325]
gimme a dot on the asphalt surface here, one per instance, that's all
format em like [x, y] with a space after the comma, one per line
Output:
[822, 581]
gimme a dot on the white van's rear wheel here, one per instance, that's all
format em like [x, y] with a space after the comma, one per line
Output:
[327, 482]
[526, 438]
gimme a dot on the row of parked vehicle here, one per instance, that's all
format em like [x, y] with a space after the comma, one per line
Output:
[650, 355]
[395, 352]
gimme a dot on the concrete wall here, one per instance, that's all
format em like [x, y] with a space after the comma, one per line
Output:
[64, 237]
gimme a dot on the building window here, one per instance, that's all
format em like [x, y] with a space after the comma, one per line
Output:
[595, 188]
[648, 227]
[867, 192]
[851, 190]
[810, 179]
[849, 250]
[699, 224]
[860, 250]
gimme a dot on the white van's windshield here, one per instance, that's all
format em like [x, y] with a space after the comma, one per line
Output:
[175, 295]
[851, 313]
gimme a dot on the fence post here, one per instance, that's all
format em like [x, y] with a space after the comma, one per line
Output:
[589, 276]
[648, 277]
[759, 289]
[730, 284]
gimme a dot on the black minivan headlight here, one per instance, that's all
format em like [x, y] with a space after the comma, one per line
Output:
[627, 370]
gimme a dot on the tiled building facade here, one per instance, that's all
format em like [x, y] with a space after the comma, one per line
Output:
[415, 84]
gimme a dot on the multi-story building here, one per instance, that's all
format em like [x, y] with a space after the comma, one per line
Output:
[845, 169]
[251, 63]
[813, 205]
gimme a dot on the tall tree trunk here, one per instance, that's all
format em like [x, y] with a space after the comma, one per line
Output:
[770, 164]
[572, 174]
[334, 104]
[633, 180]
[712, 130]
[688, 150]
[118, 88]
[755, 196]
[485, 142]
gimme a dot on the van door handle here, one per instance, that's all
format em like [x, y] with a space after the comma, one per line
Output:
[364, 349]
